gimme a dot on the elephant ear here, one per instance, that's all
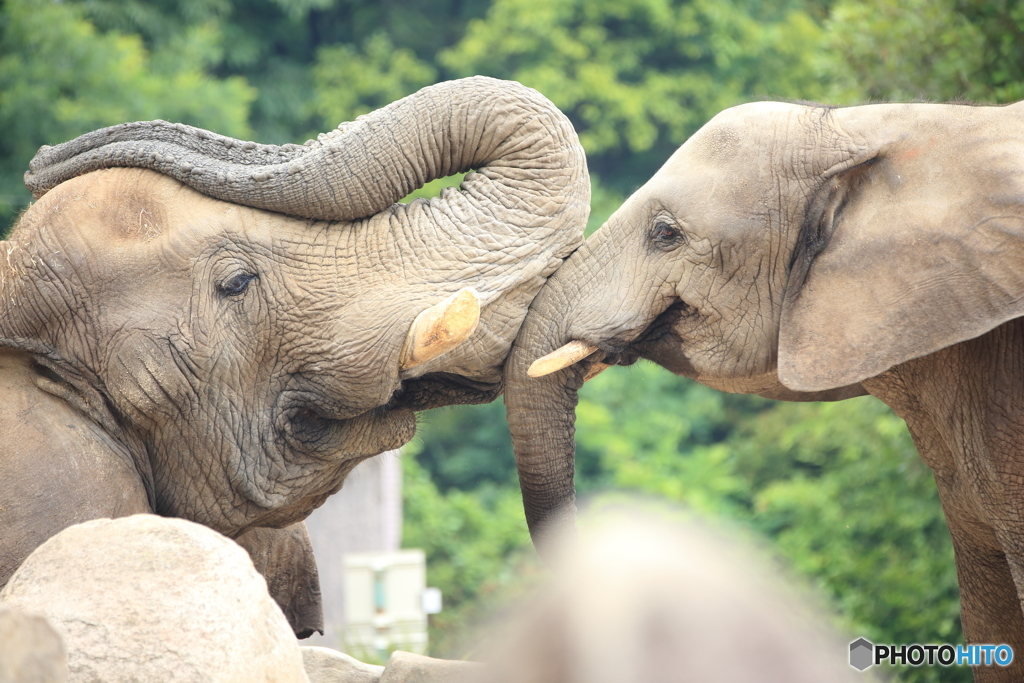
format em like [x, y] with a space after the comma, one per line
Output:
[915, 249]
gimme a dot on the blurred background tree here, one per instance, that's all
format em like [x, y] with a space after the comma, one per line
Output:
[837, 489]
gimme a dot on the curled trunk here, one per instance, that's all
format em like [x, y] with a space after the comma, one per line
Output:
[509, 227]
[361, 167]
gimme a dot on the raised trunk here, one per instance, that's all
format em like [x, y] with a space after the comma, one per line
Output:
[509, 227]
[363, 166]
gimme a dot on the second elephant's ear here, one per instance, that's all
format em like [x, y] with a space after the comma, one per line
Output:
[914, 250]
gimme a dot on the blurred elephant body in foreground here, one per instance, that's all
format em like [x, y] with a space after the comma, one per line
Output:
[641, 600]
[805, 252]
[645, 600]
[216, 330]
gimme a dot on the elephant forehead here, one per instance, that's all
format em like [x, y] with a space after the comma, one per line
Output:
[118, 205]
[734, 132]
[126, 220]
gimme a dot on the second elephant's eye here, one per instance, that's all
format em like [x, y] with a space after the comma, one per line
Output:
[236, 284]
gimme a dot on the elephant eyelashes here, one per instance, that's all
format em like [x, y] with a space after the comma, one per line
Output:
[665, 236]
[236, 284]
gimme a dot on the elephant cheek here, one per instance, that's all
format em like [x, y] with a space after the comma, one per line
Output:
[378, 431]
[668, 353]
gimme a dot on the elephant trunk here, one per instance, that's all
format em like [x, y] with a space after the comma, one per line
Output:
[541, 415]
[363, 166]
[591, 311]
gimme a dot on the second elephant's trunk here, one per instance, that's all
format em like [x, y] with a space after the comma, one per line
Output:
[542, 416]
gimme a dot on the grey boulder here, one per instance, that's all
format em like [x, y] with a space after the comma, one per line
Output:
[324, 665]
[406, 667]
[146, 598]
[30, 649]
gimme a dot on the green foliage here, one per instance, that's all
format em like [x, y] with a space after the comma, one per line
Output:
[60, 77]
[837, 488]
[157, 22]
[633, 423]
[604, 201]
[281, 45]
[642, 75]
[477, 548]
[466, 446]
[842, 493]
[927, 49]
[351, 81]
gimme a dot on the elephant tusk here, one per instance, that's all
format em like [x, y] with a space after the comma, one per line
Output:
[441, 328]
[571, 353]
[595, 370]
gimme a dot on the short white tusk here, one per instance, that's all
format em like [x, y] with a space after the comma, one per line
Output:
[441, 328]
[595, 370]
[571, 353]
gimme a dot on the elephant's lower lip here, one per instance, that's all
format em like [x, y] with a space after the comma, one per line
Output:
[442, 388]
[626, 357]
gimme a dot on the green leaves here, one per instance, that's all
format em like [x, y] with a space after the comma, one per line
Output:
[930, 49]
[60, 77]
[629, 74]
[837, 488]
[842, 493]
[477, 546]
[350, 81]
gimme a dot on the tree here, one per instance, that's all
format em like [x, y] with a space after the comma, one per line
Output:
[927, 49]
[638, 77]
[60, 77]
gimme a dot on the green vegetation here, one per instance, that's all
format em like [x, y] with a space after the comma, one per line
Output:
[837, 489]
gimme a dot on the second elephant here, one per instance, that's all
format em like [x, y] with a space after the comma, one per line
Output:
[809, 252]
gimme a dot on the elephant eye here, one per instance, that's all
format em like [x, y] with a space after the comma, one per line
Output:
[666, 236]
[236, 284]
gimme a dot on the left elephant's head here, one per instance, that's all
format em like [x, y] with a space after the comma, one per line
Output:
[788, 250]
[245, 345]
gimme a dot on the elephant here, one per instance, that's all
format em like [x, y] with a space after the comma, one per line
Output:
[216, 330]
[807, 252]
[651, 596]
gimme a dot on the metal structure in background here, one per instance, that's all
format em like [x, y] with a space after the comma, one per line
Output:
[365, 516]
[384, 605]
[374, 594]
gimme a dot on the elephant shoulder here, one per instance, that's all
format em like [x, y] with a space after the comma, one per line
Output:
[56, 466]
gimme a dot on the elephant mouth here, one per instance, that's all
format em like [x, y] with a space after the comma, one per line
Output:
[623, 349]
[311, 428]
[439, 389]
[662, 343]
[629, 347]
[317, 429]
[667, 324]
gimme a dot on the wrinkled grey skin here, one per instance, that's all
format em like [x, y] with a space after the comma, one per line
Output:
[806, 252]
[284, 557]
[174, 350]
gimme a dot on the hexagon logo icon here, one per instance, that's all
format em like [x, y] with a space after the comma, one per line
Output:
[861, 654]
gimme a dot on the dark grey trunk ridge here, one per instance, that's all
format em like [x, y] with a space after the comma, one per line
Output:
[542, 419]
[511, 132]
